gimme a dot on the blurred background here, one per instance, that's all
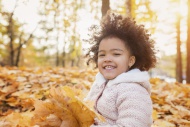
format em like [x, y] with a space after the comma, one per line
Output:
[42, 33]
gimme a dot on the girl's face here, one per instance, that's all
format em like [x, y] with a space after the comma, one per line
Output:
[113, 57]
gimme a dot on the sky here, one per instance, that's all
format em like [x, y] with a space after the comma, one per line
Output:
[28, 14]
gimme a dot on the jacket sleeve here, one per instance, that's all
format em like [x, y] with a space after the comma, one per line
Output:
[134, 107]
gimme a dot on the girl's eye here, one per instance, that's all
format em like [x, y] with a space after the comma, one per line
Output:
[117, 54]
[100, 55]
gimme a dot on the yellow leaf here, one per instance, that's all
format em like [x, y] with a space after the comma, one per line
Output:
[154, 115]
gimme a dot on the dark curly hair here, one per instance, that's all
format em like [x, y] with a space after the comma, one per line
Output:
[135, 36]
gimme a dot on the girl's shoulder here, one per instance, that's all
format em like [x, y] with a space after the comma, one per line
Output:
[130, 87]
[133, 80]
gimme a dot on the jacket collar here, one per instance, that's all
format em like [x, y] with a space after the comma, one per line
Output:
[132, 76]
[100, 80]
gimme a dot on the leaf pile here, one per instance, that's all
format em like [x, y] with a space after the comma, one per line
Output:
[171, 104]
[48, 96]
[53, 97]
[63, 109]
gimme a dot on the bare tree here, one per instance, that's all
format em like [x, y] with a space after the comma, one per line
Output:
[178, 58]
[129, 8]
[56, 14]
[188, 46]
[13, 34]
[105, 6]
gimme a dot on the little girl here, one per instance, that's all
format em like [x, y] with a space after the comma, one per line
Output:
[123, 53]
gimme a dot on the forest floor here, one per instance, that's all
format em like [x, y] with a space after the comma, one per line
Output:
[33, 97]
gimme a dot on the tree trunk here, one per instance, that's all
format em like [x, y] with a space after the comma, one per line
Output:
[178, 59]
[105, 6]
[18, 50]
[10, 32]
[18, 57]
[78, 61]
[57, 36]
[129, 8]
[11, 37]
[72, 63]
[63, 58]
[57, 57]
[15, 58]
[188, 45]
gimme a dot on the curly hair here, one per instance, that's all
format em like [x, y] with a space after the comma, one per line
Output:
[135, 36]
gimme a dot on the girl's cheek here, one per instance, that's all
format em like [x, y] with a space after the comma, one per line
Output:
[99, 60]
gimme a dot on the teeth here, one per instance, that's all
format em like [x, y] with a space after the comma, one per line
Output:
[108, 67]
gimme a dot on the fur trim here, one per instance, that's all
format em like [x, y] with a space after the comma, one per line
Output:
[132, 76]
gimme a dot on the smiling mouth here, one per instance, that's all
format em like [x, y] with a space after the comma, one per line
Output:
[109, 67]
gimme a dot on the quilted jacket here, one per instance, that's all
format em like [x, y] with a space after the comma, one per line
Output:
[124, 101]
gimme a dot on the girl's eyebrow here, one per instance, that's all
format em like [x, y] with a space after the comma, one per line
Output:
[111, 50]
[100, 51]
[117, 50]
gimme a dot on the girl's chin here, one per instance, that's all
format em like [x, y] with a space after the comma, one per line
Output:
[109, 77]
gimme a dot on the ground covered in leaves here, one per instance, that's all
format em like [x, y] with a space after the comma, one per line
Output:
[53, 97]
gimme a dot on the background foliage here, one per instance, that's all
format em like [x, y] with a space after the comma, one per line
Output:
[53, 35]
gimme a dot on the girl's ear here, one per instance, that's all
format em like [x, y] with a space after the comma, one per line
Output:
[131, 61]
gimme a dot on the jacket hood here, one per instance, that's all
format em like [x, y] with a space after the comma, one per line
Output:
[132, 76]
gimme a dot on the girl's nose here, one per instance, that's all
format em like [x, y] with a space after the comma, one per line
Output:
[107, 59]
